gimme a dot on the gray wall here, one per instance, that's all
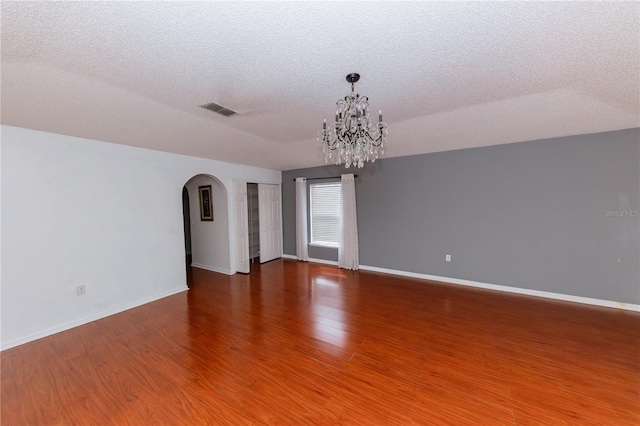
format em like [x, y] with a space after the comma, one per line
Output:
[557, 215]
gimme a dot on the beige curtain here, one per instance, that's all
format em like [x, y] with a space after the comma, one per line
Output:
[348, 251]
[302, 249]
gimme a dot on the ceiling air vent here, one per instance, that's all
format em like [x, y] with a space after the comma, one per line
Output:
[212, 106]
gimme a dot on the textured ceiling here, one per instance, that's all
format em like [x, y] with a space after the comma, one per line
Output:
[448, 75]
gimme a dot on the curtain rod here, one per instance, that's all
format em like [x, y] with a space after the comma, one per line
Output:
[328, 177]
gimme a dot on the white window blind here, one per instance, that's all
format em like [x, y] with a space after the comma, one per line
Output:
[325, 214]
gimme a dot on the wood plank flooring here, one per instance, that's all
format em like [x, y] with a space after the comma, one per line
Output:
[296, 343]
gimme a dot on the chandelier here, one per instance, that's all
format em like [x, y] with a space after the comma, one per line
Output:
[354, 139]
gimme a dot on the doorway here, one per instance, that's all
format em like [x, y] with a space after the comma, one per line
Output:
[186, 216]
[267, 243]
[253, 217]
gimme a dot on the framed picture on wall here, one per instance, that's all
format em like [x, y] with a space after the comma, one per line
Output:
[206, 205]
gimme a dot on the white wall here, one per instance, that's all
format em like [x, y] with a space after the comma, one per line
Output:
[209, 240]
[78, 211]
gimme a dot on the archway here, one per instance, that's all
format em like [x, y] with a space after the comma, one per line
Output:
[208, 234]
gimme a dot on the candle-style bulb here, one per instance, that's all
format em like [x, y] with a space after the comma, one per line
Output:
[324, 125]
[380, 115]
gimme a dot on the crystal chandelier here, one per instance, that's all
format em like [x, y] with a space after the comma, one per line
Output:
[354, 139]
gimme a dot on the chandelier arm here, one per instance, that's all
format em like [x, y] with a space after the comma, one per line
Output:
[344, 137]
[332, 147]
[375, 141]
[330, 143]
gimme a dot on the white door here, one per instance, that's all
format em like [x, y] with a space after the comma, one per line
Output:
[241, 227]
[270, 234]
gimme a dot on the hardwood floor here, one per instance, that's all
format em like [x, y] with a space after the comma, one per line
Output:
[297, 343]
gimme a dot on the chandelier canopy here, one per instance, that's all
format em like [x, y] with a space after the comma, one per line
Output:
[354, 139]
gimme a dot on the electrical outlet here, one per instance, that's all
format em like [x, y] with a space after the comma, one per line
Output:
[80, 290]
[447, 258]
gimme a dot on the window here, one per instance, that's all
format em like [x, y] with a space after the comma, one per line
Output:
[325, 214]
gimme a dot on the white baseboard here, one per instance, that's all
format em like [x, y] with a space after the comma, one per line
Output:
[525, 291]
[211, 268]
[85, 320]
[507, 289]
